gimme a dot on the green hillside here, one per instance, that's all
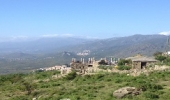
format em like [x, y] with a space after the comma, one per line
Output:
[20, 62]
[100, 86]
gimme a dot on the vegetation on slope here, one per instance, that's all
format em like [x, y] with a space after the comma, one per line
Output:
[162, 58]
[15, 64]
[75, 87]
[124, 64]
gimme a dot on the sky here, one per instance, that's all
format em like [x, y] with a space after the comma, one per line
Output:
[85, 18]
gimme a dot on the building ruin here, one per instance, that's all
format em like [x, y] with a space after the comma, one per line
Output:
[88, 66]
[142, 62]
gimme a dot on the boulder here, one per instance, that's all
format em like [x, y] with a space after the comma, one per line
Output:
[120, 93]
[34, 98]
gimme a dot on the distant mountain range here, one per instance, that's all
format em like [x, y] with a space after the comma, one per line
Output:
[118, 47]
[125, 46]
[26, 55]
[40, 45]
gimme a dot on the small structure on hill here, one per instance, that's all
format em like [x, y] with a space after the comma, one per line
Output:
[142, 62]
[83, 66]
[90, 65]
[79, 67]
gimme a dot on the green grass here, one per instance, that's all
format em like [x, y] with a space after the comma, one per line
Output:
[88, 87]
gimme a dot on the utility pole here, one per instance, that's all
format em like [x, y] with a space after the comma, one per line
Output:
[167, 46]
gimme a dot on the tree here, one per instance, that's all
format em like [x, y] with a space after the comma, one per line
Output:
[160, 58]
[157, 54]
[71, 75]
[124, 64]
[103, 62]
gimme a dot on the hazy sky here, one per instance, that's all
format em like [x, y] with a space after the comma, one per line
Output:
[91, 18]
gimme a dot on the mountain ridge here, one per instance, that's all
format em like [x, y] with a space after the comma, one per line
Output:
[120, 47]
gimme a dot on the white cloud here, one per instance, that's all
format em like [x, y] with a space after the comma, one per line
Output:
[87, 37]
[57, 35]
[28, 38]
[165, 33]
[17, 38]
[50, 35]
[67, 35]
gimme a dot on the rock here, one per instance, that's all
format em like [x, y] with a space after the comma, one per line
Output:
[120, 93]
[34, 98]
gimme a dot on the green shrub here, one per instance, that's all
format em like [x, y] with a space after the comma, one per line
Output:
[56, 84]
[109, 80]
[103, 62]
[151, 95]
[20, 98]
[29, 87]
[123, 67]
[118, 81]
[71, 76]
[45, 86]
[124, 62]
[160, 58]
[99, 76]
[105, 67]
[13, 78]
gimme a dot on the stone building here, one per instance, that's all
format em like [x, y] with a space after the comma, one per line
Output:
[65, 70]
[142, 62]
[88, 66]
[83, 66]
[79, 67]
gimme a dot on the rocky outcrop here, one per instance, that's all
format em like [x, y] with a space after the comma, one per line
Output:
[120, 93]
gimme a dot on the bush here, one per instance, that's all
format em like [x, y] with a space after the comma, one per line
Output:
[21, 98]
[105, 67]
[118, 81]
[160, 58]
[29, 87]
[99, 76]
[13, 78]
[151, 95]
[123, 67]
[71, 76]
[103, 62]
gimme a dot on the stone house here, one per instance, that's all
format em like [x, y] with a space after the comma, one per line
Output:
[143, 62]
